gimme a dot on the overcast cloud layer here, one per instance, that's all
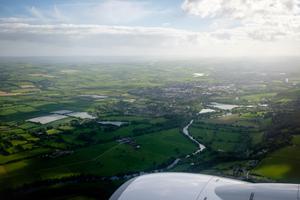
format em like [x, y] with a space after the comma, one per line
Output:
[141, 28]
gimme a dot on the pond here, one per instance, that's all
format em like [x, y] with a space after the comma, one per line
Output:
[199, 74]
[223, 106]
[93, 96]
[115, 123]
[206, 110]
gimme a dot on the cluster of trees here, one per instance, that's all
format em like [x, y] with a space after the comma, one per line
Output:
[89, 186]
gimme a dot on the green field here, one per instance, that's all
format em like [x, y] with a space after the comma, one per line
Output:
[283, 164]
[223, 139]
[107, 159]
[154, 102]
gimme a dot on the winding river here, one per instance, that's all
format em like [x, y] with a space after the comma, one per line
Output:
[201, 147]
[185, 131]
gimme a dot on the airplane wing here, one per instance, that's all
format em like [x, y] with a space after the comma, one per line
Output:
[186, 186]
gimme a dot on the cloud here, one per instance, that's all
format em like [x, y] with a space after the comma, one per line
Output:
[238, 28]
[105, 12]
[36, 13]
[256, 19]
[241, 9]
[98, 38]
[116, 11]
[84, 39]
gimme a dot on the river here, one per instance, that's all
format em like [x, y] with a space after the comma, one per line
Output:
[201, 147]
[185, 131]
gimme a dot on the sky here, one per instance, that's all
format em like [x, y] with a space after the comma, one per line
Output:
[164, 28]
